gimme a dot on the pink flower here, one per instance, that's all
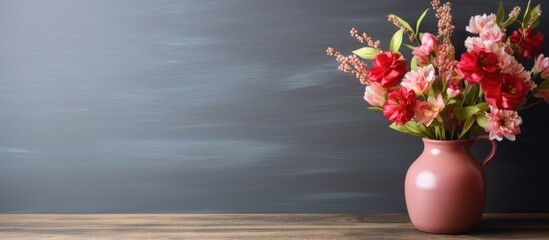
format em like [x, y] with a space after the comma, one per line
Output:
[509, 64]
[479, 23]
[399, 107]
[497, 49]
[475, 44]
[428, 45]
[541, 66]
[426, 112]
[493, 34]
[375, 95]
[543, 94]
[419, 80]
[453, 91]
[422, 60]
[503, 123]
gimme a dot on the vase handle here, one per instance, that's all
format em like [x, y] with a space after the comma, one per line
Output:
[492, 152]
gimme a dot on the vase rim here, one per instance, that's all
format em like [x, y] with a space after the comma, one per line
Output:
[428, 140]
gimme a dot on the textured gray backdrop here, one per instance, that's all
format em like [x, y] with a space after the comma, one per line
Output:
[215, 106]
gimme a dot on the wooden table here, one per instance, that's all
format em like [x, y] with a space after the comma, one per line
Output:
[257, 226]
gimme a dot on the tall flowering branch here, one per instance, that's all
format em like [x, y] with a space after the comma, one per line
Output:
[445, 58]
[365, 38]
[515, 12]
[394, 19]
[533, 18]
[350, 64]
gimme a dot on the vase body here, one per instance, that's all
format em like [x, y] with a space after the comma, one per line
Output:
[445, 187]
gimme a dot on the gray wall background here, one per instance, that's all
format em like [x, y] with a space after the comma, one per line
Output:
[216, 106]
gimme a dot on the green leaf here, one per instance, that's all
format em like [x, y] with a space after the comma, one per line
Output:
[481, 118]
[425, 131]
[535, 12]
[412, 126]
[438, 132]
[471, 93]
[403, 129]
[527, 14]
[463, 113]
[413, 63]
[509, 21]
[435, 124]
[420, 19]
[451, 101]
[375, 109]
[396, 41]
[468, 123]
[409, 46]
[501, 13]
[536, 22]
[367, 53]
[418, 129]
[483, 106]
[404, 23]
[480, 94]
[431, 92]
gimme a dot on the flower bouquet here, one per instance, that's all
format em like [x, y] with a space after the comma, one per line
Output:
[441, 97]
[448, 101]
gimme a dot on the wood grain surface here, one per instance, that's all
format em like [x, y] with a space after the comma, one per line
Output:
[256, 226]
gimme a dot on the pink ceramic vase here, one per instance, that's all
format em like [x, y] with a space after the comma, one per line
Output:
[445, 187]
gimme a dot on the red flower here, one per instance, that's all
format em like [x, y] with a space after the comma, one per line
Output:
[478, 65]
[388, 69]
[399, 107]
[505, 92]
[528, 43]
